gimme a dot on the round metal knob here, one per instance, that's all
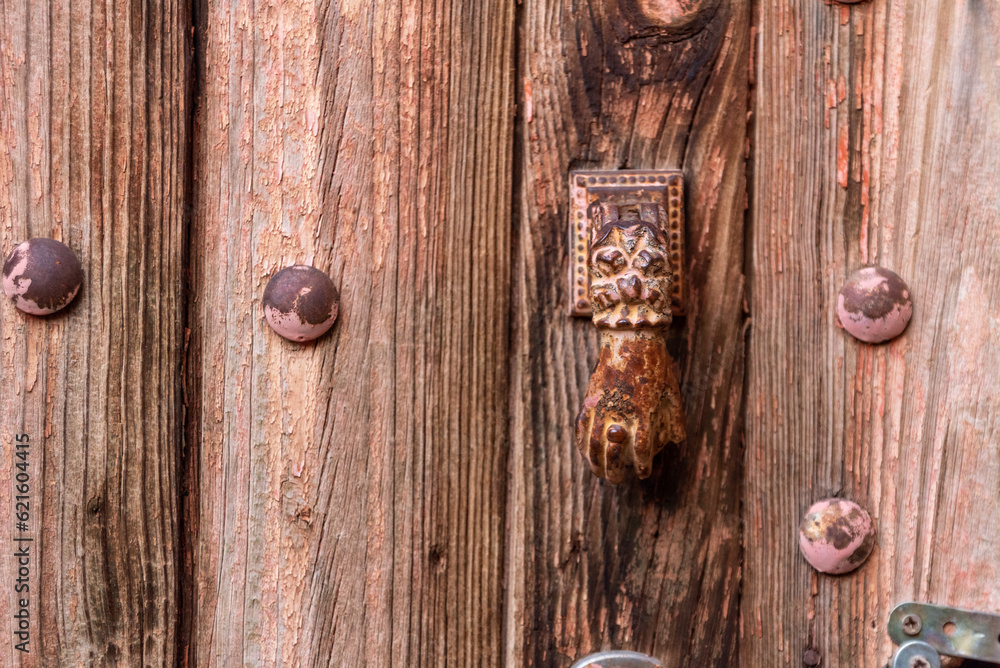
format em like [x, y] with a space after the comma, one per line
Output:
[618, 659]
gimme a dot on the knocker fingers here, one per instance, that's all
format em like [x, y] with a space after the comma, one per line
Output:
[612, 443]
[643, 450]
[605, 441]
[617, 458]
[589, 440]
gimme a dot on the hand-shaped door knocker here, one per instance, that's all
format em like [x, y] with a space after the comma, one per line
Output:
[633, 402]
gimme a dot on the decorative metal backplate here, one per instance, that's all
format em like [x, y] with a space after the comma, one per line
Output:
[627, 187]
[963, 634]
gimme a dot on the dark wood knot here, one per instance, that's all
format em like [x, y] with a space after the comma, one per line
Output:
[669, 20]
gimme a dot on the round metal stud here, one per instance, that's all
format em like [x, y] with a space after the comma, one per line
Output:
[874, 305]
[42, 276]
[836, 536]
[301, 303]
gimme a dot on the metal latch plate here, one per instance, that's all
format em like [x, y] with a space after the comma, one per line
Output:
[617, 659]
[623, 187]
[963, 634]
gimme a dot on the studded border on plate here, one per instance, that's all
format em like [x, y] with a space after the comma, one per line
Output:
[664, 186]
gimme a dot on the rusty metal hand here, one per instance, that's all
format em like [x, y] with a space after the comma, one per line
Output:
[633, 403]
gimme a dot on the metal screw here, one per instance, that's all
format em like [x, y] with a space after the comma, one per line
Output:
[911, 627]
[811, 657]
[919, 662]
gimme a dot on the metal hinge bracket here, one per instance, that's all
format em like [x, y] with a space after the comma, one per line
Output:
[924, 631]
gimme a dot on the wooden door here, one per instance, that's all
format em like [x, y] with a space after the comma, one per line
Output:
[873, 127]
[406, 490]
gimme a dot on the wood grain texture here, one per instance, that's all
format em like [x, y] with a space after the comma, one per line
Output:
[93, 126]
[652, 566]
[347, 496]
[875, 142]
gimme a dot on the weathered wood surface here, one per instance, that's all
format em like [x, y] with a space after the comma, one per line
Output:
[93, 129]
[406, 491]
[347, 496]
[655, 565]
[875, 142]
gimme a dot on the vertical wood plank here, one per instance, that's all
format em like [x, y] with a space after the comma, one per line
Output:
[94, 134]
[348, 495]
[876, 127]
[651, 566]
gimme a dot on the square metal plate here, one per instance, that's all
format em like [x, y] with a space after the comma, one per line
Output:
[589, 189]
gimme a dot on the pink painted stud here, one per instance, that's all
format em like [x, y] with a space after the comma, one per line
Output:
[300, 303]
[836, 536]
[874, 305]
[42, 276]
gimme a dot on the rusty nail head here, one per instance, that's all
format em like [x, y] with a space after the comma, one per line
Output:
[911, 627]
[811, 657]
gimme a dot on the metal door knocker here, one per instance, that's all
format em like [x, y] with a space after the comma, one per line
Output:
[626, 274]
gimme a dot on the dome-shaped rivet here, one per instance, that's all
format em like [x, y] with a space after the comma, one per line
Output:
[301, 303]
[836, 536]
[874, 305]
[42, 276]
